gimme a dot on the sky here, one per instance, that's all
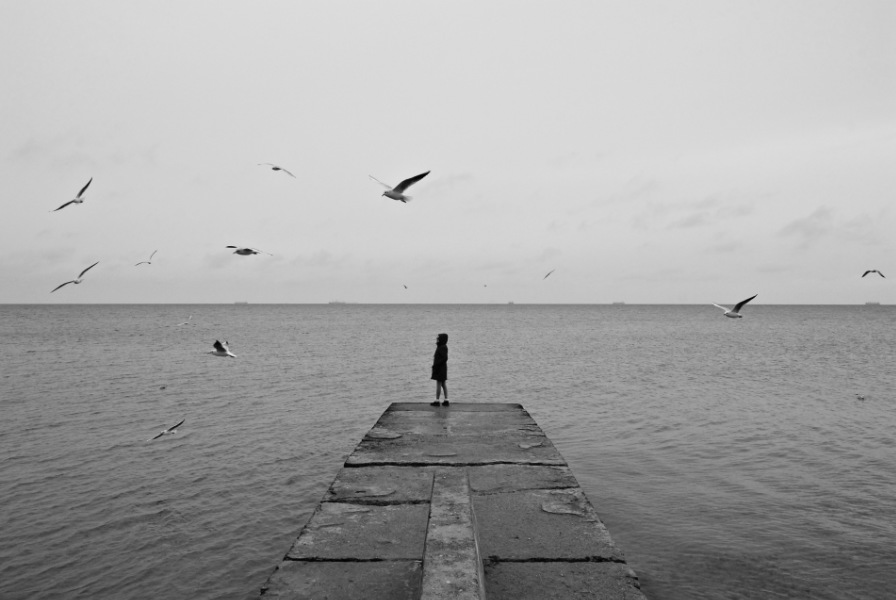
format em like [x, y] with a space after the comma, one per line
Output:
[646, 151]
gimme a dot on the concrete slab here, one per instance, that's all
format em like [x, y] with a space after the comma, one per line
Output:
[452, 566]
[495, 449]
[457, 423]
[541, 524]
[301, 580]
[339, 530]
[381, 485]
[561, 581]
[491, 479]
[459, 406]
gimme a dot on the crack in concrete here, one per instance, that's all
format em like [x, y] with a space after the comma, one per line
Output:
[493, 560]
[318, 559]
[373, 501]
[418, 464]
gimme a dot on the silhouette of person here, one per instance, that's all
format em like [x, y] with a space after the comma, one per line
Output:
[440, 368]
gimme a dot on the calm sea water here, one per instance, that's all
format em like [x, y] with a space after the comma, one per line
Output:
[728, 458]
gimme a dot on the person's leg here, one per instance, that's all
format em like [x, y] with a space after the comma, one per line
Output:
[445, 389]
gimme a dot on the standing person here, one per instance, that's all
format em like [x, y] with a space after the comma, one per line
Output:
[440, 368]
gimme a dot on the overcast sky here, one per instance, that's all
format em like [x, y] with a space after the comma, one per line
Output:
[650, 152]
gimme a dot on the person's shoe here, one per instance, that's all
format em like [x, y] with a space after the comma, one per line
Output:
[436, 403]
[445, 403]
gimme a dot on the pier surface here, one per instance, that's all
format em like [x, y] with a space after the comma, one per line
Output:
[462, 502]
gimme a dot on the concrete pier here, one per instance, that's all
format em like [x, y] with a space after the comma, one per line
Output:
[462, 502]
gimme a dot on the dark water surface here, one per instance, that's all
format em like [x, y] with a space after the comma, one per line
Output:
[728, 458]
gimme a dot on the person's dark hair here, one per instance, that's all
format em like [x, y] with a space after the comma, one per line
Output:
[443, 337]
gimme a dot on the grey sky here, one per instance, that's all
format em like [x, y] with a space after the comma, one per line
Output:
[682, 152]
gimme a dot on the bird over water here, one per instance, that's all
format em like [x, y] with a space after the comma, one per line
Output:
[734, 313]
[77, 199]
[79, 278]
[172, 429]
[397, 192]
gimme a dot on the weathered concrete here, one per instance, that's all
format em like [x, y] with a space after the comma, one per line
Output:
[453, 564]
[458, 502]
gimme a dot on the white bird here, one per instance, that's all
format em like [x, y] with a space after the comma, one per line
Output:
[397, 192]
[276, 168]
[77, 199]
[549, 272]
[222, 350]
[187, 322]
[734, 313]
[75, 281]
[873, 271]
[172, 429]
[147, 262]
[248, 251]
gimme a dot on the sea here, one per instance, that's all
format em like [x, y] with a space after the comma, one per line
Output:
[729, 458]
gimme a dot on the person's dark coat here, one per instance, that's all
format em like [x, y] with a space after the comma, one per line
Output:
[440, 363]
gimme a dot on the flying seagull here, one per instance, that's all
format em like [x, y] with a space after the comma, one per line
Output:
[222, 350]
[187, 322]
[549, 272]
[172, 429]
[734, 313]
[276, 168]
[397, 192]
[248, 251]
[873, 271]
[75, 281]
[147, 262]
[77, 199]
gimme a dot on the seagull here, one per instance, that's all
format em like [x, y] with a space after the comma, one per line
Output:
[397, 192]
[147, 262]
[734, 313]
[248, 251]
[873, 271]
[549, 272]
[77, 199]
[276, 168]
[222, 350]
[187, 322]
[172, 429]
[75, 281]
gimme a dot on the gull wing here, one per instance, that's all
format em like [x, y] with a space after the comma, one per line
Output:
[87, 269]
[71, 201]
[178, 425]
[157, 436]
[549, 272]
[86, 185]
[720, 306]
[287, 172]
[881, 274]
[740, 304]
[60, 285]
[153, 254]
[863, 274]
[401, 187]
[385, 185]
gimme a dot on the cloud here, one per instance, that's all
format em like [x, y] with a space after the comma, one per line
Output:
[811, 228]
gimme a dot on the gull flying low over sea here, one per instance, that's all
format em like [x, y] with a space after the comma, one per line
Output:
[397, 192]
[172, 429]
[222, 350]
[873, 271]
[734, 313]
[77, 199]
[277, 168]
[75, 281]
[248, 251]
[147, 262]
